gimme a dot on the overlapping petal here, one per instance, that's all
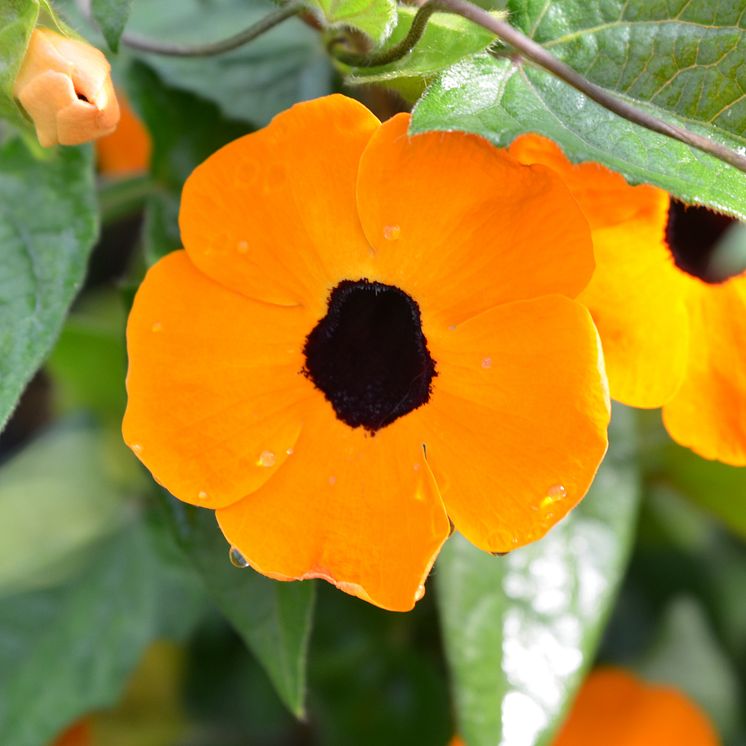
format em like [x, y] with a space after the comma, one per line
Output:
[462, 226]
[362, 512]
[517, 423]
[637, 295]
[215, 391]
[272, 215]
[708, 414]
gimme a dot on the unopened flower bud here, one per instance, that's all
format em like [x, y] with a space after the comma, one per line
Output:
[65, 87]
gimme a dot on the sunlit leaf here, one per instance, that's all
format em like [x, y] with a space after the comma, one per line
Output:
[376, 18]
[273, 618]
[499, 99]
[447, 39]
[521, 630]
[48, 224]
[111, 16]
[684, 56]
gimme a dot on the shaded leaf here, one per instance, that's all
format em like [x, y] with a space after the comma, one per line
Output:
[68, 651]
[252, 83]
[376, 18]
[499, 100]
[17, 21]
[273, 618]
[48, 224]
[111, 17]
[520, 630]
[73, 492]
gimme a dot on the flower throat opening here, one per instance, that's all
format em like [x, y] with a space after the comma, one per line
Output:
[693, 235]
[368, 355]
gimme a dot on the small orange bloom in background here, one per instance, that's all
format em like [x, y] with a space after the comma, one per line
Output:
[65, 87]
[369, 334]
[79, 734]
[615, 708]
[125, 151]
[670, 338]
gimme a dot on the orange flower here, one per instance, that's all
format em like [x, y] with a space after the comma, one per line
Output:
[366, 335]
[65, 87]
[614, 708]
[670, 338]
[127, 149]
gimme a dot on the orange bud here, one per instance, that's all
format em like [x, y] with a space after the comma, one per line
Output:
[65, 87]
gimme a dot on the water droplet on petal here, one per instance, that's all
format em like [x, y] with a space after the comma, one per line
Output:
[202, 495]
[137, 448]
[242, 247]
[391, 232]
[452, 327]
[416, 467]
[557, 491]
[157, 327]
[266, 458]
[332, 481]
[486, 362]
[289, 451]
[237, 559]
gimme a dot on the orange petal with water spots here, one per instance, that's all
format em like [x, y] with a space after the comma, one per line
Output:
[272, 215]
[216, 393]
[361, 512]
[516, 426]
[462, 226]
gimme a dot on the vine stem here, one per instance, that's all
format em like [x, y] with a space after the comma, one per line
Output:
[168, 49]
[535, 53]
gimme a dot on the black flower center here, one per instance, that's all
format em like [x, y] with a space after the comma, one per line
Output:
[368, 355]
[693, 234]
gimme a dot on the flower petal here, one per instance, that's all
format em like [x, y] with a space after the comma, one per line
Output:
[216, 393]
[361, 512]
[636, 295]
[272, 215]
[458, 222]
[516, 426]
[708, 414]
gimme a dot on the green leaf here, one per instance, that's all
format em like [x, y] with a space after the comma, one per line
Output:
[60, 480]
[688, 657]
[88, 363]
[684, 57]
[273, 618]
[520, 630]
[17, 21]
[48, 224]
[447, 39]
[111, 17]
[376, 18]
[500, 100]
[67, 652]
[252, 83]
[716, 487]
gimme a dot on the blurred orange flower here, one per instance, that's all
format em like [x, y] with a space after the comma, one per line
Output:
[670, 338]
[78, 734]
[369, 334]
[125, 151]
[65, 87]
[614, 708]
